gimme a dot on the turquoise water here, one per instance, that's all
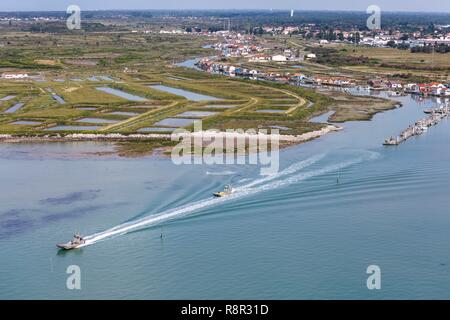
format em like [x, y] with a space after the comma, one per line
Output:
[294, 235]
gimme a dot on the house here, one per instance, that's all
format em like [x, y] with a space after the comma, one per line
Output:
[424, 88]
[298, 76]
[311, 56]
[260, 58]
[437, 89]
[412, 88]
[395, 85]
[376, 83]
[279, 58]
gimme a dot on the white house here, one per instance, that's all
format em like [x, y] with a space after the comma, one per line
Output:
[412, 88]
[279, 58]
[260, 58]
[311, 56]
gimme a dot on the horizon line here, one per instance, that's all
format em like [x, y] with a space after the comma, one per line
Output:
[230, 9]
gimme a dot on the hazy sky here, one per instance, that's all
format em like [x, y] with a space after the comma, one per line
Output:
[359, 5]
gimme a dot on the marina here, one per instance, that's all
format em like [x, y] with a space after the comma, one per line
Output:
[420, 127]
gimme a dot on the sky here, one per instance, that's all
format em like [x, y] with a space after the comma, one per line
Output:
[357, 5]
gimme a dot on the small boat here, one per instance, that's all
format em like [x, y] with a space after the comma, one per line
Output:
[391, 142]
[76, 242]
[226, 192]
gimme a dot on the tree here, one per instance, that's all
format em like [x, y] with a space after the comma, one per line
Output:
[391, 44]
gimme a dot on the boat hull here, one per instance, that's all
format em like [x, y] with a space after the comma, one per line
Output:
[68, 246]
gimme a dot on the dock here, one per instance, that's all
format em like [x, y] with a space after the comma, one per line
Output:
[436, 115]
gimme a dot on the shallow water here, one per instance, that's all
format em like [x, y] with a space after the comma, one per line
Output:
[25, 122]
[97, 120]
[295, 235]
[197, 114]
[156, 129]
[121, 94]
[189, 64]
[15, 108]
[58, 99]
[184, 93]
[122, 113]
[7, 98]
[219, 106]
[73, 128]
[175, 122]
[270, 111]
[323, 118]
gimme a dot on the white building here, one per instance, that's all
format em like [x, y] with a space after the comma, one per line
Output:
[14, 75]
[279, 58]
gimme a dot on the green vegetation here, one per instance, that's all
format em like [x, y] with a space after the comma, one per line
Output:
[72, 66]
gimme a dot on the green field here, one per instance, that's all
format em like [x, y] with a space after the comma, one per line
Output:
[73, 66]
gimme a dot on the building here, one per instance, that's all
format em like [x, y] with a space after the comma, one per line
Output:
[279, 58]
[14, 76]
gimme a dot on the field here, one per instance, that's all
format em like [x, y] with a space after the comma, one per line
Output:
[70, 74]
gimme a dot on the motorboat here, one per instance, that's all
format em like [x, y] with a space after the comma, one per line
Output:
[226, 192]
[75, 243]
[390, 142]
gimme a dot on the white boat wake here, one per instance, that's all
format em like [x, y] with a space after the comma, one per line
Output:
[292, 175]
[220, 173]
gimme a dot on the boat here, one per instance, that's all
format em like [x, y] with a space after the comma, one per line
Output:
[75, 243]
[226, 192]
[391, 142]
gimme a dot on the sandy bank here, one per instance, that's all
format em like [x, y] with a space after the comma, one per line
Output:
[117, 137]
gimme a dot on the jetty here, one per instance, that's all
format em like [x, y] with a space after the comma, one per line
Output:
[436, 115]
